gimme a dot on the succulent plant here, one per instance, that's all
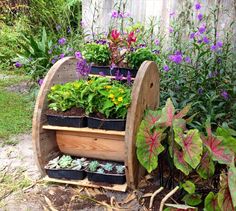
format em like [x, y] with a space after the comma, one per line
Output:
[93, 165]
[77, 164]
[65, 161]
[108, 167]
[120, 169]
[100, 171]
[53, 164]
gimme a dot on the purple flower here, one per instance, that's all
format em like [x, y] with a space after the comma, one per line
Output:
[112, 66]
[205, 40]
[187, 59]
[70, 49]
[119, 76]
[58, 27]
[62, 41]
[156, 51]
[200, 16]
[102, 42]
[172, 14]
[124, 14]
[214, 48]
[224, 94]
[176, 58]
[82, 67]
[202, 29]
[78, 55]
[68, 30]
[199, 41]
[171, 30]
[219, 44]
[50, 51]
[53, 61]
[166, 68]
[142, 45]
[114, 14]
[18, 64]
[102, 74]
[157, 42]
[192, 35]
[128, 77]
[40, 82]
[62, 56]
[200, 91]
[197, 6]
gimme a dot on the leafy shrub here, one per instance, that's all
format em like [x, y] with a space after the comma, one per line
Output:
[98, 54]
[136, 58]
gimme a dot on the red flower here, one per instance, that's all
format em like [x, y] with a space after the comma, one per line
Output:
[131, 38]
[115, 34]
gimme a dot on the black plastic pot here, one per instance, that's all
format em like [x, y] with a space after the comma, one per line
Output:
[69, 121]
[66, 174]
[107, 71]
[106, 124]
[106, 178]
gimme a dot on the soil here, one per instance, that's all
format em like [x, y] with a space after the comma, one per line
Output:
[71, 112]
[98, 115]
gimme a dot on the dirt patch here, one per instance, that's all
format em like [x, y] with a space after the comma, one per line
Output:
[22, 87]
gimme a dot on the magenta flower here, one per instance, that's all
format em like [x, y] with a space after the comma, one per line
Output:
[78, 55]
[157, 42]
[114, 14]
[176, 58]
[200, 16]
[205, 40]
[197, 6]
[166, 68]
[18, 64]
[124, 14]
[219, 44]
[224, 94]
[62, 41]
[62, 56]
[187, 59]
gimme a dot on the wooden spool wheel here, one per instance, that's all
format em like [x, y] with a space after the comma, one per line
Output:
[94, 143]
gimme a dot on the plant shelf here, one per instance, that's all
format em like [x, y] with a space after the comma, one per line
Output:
[49, 141]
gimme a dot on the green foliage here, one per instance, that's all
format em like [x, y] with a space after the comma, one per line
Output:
[211, 203]
[97, 53]
[136, 58]
[189, 187]
[93, 165]
[192, 199]
[110, 98]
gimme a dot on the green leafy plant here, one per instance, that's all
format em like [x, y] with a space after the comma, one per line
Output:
[98, 54]
[136, 58]
[65, 161]
[93, 165]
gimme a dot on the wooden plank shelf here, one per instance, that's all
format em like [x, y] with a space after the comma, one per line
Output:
[86, 183]
[85, 130]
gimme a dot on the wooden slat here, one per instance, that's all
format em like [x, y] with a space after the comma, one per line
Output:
[86, 183]
[108, 76]
[103, 146]
[84, 129]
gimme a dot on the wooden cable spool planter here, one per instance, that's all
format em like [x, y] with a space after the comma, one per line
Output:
[49, 140]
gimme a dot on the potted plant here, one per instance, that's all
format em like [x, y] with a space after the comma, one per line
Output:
[99, 55]
[66, 107]
[107, 104]
[136, 58]
[65, 167]
[108, 172]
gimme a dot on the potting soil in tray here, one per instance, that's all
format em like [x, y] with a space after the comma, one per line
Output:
[71, 118]
[106, 124]
[66, 174]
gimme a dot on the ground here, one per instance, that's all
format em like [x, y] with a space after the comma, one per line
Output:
[21, 187]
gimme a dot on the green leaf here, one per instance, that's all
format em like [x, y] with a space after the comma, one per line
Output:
[232, 183]
[167, 115]
[192, 199]
[211, 203]
[189, 187]
[180, 163]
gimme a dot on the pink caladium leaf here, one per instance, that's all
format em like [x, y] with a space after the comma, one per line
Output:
[152, 116]
[183, 112]
[191, 145]
[179, 161]
[224, 196]
[149, 145]
[206, 168]
[211, 203]
[167, 115]
[219, 152]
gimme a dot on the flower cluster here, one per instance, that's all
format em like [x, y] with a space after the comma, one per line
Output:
[118, 14]
[82, 67]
